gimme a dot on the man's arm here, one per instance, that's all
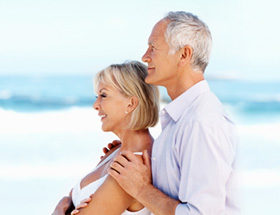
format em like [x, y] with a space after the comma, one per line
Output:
[140, 185]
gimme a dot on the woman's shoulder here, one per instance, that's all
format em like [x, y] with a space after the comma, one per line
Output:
[108, 199]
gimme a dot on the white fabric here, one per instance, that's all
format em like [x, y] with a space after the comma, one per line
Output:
[79, 194]
[194, 156]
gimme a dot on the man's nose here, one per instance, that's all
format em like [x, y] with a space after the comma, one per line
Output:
[146, 57]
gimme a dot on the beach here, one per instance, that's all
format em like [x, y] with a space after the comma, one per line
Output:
[50, 137]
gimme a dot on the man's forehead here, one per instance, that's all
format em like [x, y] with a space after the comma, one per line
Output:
[158, 31]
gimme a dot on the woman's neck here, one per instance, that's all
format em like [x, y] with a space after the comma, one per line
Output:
[136, 141]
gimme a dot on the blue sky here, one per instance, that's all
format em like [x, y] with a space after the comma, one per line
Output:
[81, 37]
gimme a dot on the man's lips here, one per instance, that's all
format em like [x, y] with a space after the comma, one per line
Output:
[151, 68]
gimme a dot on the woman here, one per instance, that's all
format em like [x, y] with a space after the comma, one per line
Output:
[127, 106]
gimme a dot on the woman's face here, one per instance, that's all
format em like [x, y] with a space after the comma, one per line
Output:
[111, 106]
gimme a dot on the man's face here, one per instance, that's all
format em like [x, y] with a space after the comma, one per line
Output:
[162, 67]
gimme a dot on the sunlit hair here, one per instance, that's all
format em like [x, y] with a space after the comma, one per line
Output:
[186, 29]
[129, 79]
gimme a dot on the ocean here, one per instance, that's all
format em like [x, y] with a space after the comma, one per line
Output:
[50, 137]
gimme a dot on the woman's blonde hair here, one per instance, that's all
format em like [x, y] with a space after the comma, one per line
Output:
[129, 79]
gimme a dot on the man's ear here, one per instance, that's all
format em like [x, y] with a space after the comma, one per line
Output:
[185, 55]
[133, 103]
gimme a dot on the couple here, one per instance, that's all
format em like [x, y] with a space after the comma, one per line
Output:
[192, 160]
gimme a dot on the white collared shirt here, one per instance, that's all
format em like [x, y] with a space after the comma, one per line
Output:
[194, 156]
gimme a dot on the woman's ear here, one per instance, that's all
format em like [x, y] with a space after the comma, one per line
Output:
[133, 103]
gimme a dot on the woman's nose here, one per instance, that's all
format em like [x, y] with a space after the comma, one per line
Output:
[96, 104]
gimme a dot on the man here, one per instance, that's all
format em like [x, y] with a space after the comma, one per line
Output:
[193, 158]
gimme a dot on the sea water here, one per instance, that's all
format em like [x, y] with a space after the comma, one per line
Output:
[50, 137]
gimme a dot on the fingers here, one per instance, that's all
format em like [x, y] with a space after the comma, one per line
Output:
[122, 160]
[83, 204]
[105, 150]
[87, 200]
[114, 174]
[113, 144]
[146, 159]
[75, 212]
[130, 156]
[110, 146]
[117, 167]
[116, 143]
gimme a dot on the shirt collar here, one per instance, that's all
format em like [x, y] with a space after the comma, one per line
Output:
[182, 102]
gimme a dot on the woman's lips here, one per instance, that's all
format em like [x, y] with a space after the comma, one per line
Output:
[103, 116]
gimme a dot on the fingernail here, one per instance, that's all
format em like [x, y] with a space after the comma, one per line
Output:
[138, 153]
[74, 212]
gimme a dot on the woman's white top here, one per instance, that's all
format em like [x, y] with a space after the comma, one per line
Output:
[79, 194]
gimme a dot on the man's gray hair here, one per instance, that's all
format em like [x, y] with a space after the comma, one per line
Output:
[186, 29]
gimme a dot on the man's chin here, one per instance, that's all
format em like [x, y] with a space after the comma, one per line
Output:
[149, 80]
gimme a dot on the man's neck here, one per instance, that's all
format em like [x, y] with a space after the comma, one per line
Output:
[183, 82]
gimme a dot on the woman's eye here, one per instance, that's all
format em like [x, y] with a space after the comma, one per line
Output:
[101, 95]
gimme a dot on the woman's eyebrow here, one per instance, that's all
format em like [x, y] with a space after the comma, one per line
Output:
[104, 88]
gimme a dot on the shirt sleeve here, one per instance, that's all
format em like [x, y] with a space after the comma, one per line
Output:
[206, 155]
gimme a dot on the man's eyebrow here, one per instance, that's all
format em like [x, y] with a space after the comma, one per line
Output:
[151, 43]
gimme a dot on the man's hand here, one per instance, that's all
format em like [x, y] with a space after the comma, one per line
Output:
[132, 173]
[110, 146]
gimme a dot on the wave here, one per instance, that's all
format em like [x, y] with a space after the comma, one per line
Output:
[41, 103]
[23, 103]
[27, 94]
[75, 119]
[271, 106]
